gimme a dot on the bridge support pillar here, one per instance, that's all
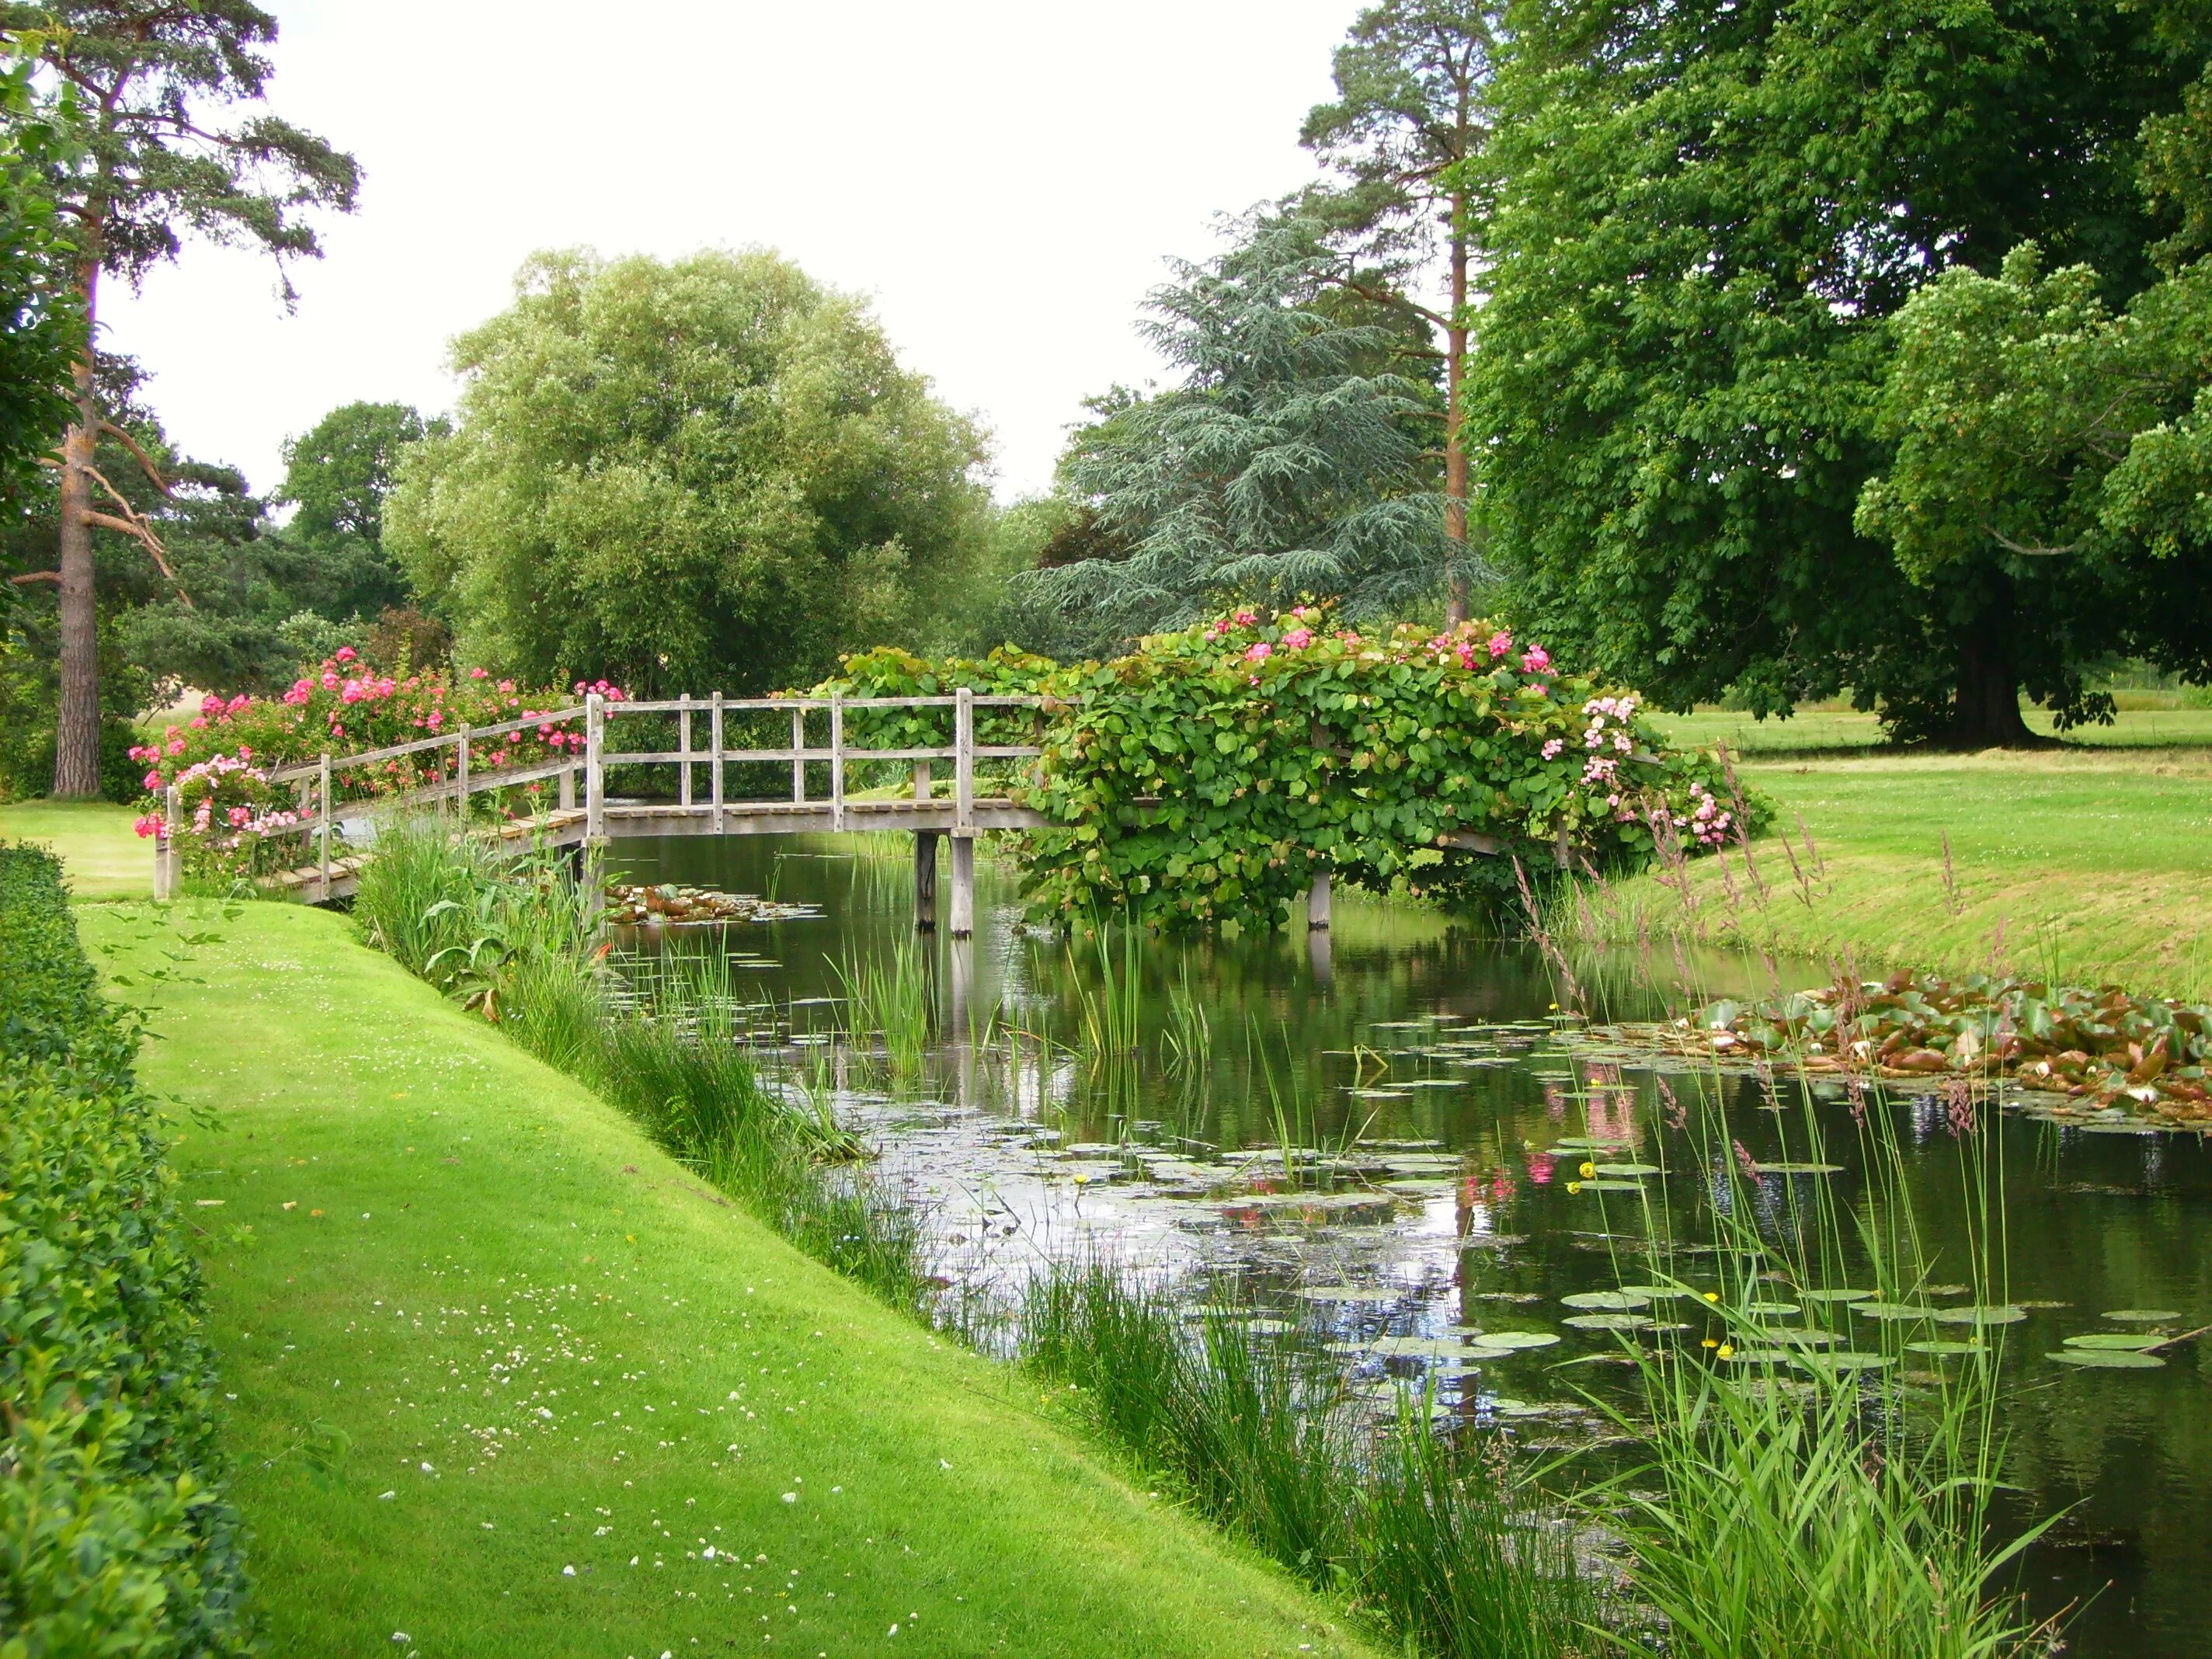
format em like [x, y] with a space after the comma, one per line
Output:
[925, 881]
[1318, 900]
[963, 886]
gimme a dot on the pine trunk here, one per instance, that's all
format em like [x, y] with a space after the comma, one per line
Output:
[1455, 599]
[77, 732]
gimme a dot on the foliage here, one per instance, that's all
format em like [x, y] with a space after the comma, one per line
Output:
[1705, 218]
[115, 1535]
[1210, 774]
[2030, 420]
[39, 328]
[1290, 460]
[709, 472]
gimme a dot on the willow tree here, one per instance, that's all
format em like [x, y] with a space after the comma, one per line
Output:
[156, 82]
[705, 474]
[1411, 110]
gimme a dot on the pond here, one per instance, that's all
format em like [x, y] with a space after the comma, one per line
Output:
[1439, 1114]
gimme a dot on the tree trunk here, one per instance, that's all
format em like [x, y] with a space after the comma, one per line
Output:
[77, 732]
[1455, 599]
[1986, 706]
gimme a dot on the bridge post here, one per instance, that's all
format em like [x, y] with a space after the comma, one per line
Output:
[684, 747]
[925, 881]
[323, 830]
[1317, 903]
[167, 859]
[836, 761]
[714, 736]
[461, 776]
[797, 749]
[963, 886]
[595, 779]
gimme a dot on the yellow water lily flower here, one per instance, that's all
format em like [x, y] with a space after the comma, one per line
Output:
[1728, 1351]
[1574, 1186]
[1710, 1342]
[1589, 1170]
[1713, 1296]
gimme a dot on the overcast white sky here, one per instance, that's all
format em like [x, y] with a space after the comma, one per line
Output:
[1003, 177]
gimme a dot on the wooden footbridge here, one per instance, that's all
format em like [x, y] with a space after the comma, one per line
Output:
[337, 832]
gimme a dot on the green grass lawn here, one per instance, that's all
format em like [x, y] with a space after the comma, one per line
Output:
[508, 1381]
[1819, 730]
[2086, 864]
[104, 858]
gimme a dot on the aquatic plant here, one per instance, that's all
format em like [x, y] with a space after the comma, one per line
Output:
[888, 996]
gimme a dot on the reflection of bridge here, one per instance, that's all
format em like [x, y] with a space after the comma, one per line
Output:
[331, 825]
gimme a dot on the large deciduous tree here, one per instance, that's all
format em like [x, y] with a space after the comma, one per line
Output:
[156, 82]
[1706, 218]
[707, 474]
[1288, 460]
[1411, 110]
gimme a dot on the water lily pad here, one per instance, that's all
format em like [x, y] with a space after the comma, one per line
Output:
[1939, 1346]
[1380, 1094]
[2142, 1315]
[1785, 1167]
[1607, 1186]
[1761, 1357]
[2116, 1342]
[1518, 1339]
[1606, 1321]
[1771, 1309]
[1847, 1360]
[2002, 1314]
[1835, 1296]
[1428, 1347]
[1810, 1337]
[1893, 1310]
[1627, 1171]
[1613, 1299]
[1581, 1143]
[1657, 1291]
[2111, 1359]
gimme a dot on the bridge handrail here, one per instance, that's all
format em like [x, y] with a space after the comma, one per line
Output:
[318, 810]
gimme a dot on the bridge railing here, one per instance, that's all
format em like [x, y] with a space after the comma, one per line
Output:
[453, 760]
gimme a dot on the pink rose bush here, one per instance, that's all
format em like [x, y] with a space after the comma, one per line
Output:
[220, 757]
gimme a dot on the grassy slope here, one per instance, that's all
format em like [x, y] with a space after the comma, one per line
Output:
[501, 1336]
[94, 839]
[2092, 863]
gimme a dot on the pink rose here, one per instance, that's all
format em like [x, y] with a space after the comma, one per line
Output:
[1297, 639]
[1260, 652]
[1247, 618]
[1535, 660]
[480, 673]
[1500, 643]
[153, 782]
[345, 654]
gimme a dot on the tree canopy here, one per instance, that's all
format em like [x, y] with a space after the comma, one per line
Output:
[1290, 460]
[709, 472]
[1706, 221]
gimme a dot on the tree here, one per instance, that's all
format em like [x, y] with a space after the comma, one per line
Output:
[1706, 219]
[146, 75]
[705, 474]
[1288, 462]
[336, 476]
[1412, 111]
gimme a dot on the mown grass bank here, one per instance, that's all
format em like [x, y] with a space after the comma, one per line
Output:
[105, 857]
[2083, 865]
[439, 1270]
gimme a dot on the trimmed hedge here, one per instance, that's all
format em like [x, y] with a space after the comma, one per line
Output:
[115, 1536]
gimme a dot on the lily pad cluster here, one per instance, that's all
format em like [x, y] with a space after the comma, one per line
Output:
[670, 904]
[1212, 773]
[2102, 1049]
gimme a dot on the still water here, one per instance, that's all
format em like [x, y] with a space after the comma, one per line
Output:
[1424, 1065]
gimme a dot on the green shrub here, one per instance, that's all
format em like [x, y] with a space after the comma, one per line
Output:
[115, 1536]
[1212, 773]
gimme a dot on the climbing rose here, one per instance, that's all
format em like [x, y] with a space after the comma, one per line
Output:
[1260, 652]
[1297, 639]
[1500, 643]
[1535, 660]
